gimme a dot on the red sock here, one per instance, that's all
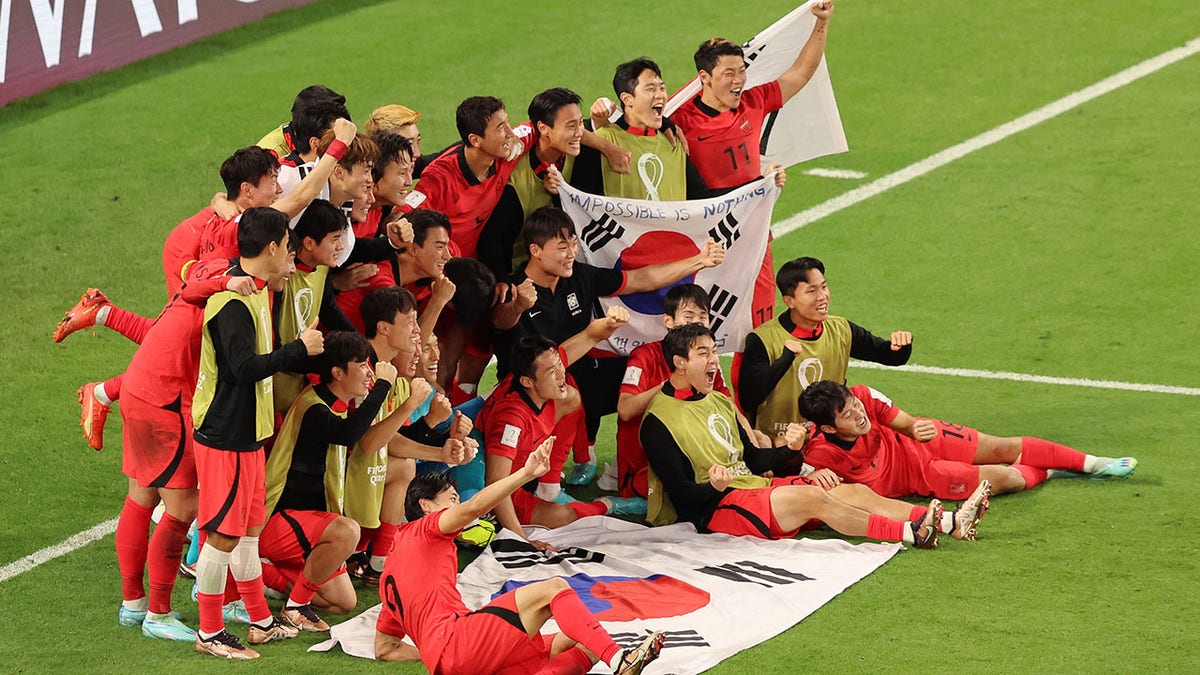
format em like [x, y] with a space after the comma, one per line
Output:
[574, 661]
[365, 537]
[918, 512]
[128, 324]
[565, 432]
[166, 548]
[212, 620]
[1031, 474]
[581, 454]
[580, 625]
[256, 602]
[231, 590]
[383, 540]
[112, 388]
[1041, 454]
[303, 591]
[584, 509]
[273, 577]
[133, 542]
[884, 528]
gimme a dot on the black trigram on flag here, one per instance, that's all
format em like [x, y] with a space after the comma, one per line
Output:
[720, 303]
[518, 554]
[601, 231]
[750, 572]
[726, 231]
[673, 638]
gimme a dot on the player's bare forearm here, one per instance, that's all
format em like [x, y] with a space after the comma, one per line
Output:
[501, 482]
[630, 406]
[802, 69]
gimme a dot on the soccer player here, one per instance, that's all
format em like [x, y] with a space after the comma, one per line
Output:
[308, 129]
[723, 124]
[802, 346]
[306, 538]
[706, 470]
[282, 141]
[232, 414]
[402, 120]
[502, 636]
[864, 438]
[554, 297]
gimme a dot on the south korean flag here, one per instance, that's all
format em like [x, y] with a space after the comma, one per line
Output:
[627, 234]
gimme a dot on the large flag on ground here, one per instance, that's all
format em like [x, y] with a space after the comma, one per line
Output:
[713, 594]
[632, 233]
[808, 126]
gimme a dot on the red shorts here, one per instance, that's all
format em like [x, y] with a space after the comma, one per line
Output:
[492, 640]
[953, 442]
[158, 450]
[290, 535]
[233, 490]
[748, 512]
[524, 502]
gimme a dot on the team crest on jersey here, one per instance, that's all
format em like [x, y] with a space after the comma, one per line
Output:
[573, 303]
[809, 370]
[746, 124]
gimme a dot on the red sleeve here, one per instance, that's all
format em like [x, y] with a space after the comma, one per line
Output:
[429, 527]
[218, 239]
[879, 407]
[822, 454]
[637, 370]
[431, 191]
[766, 97]
[504, 434]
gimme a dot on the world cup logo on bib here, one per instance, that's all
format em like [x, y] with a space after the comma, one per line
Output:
[650, 170]
[719, 427]
[304, 310]
[809, 370]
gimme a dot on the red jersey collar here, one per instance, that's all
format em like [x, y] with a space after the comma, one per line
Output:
[465, 168]
[682, 394]
[799, 332]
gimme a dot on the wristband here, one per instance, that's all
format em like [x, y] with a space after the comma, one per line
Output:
[337, 149]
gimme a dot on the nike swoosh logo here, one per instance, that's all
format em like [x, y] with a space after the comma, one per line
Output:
[533, 314]
[701, 139]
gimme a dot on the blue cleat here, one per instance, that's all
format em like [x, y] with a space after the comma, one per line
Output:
[1118, 468]
[581, 474]
[234, 612]
[130, 617]
[625, 506]
[564, 497]
[167, 628]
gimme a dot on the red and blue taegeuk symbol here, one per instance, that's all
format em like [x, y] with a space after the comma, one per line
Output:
[616, 598]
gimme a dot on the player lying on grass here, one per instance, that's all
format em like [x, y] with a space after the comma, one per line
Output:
[706, 470]
[863, 438]
[502, 636]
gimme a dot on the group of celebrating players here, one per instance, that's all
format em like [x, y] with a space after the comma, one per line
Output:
[305, 407]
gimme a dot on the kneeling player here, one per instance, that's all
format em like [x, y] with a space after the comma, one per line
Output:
[703, 473]
[503, 636]
[865, 439]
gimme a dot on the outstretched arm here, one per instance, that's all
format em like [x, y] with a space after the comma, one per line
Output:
[802, 69]
[536, 465]
[654, 277]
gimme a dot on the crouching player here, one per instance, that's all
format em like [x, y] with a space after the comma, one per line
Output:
[502, 636]
[706, 470]
[864, 438]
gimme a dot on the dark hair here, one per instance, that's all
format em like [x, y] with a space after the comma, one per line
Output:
[424, 486]
[361, 149]
[795, 272]
[342, 347]
[474, 284]
[547, 223]
[821, 402]
[258, 228]
[391, 146]
[544, 107]
[313, 94]
[246, 165]
[314, 120]
[318, 221]
[679, 340]
[526, 351]
[625, 80]
[473, 114]
[383, 304]
[710, 51]
[678, 294]
[424, 220]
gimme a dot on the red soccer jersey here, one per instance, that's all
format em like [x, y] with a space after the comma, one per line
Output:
[164, 367]
[726, 146]
[423, 606]
[182, 247]
[646, 369]
[350, 302]
[218, 240]
[450, 186]
[884, 459]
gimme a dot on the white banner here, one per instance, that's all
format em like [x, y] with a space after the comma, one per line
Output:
[713, 594]
[808, 126]
[632, 233]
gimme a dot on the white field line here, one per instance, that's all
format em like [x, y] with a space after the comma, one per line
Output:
[940, 159]
[847, 174]
[62, 548]
[810, 215]
[1039, 379]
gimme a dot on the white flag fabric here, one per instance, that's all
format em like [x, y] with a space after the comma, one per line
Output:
[809, 125]
[713, 594]
[632, 233]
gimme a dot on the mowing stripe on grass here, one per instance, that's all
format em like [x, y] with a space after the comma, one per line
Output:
[1040, 379]
[940, 159]
[62, 548]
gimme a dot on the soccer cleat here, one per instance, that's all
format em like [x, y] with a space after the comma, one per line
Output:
[563, 497]
[356, 564]
[168, 628]
[633, 661]
[225, 646]
[93, 413]
[925, 531]
[303, 618]
[235, 612]
[969, 512]
[477, 535]
[82, 315]
[274, 594]
[370, 577]
[625, 506]
[1118, 468]
[608, 478]
[187, 571]
[581, 474]
[278, 630]
[130, 617]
